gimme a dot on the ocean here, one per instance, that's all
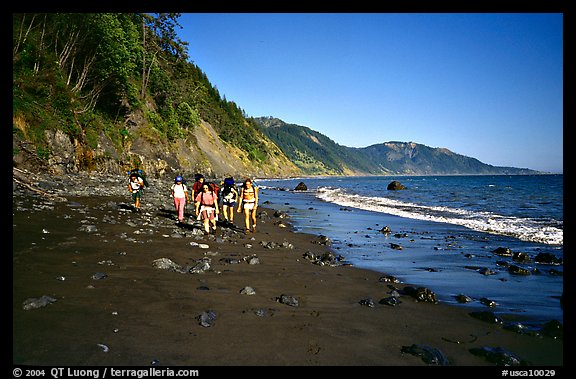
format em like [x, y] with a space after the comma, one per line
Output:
[445, 231]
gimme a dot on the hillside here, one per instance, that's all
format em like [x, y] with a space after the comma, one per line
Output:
[316, 154]
[109, 92]
[312, 152]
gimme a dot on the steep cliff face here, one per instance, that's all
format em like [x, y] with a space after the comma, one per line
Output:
[202, 151]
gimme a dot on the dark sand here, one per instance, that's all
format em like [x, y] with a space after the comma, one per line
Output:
[144, 314]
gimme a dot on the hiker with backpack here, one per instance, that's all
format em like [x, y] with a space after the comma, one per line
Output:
[179, 192]
[207, 207]
[229, 195]
[197, 186]
[248, 202]
[135, 187]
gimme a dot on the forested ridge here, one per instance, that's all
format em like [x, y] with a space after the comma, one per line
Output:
[121, 77]
[316, 154]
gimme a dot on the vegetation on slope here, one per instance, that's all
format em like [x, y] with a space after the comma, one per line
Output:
[90, 73]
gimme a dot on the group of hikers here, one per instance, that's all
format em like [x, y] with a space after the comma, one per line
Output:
[207, 197]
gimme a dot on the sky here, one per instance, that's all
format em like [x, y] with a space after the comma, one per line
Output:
[484, 85]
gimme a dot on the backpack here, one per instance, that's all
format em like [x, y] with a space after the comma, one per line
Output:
[213, 187]
[228, 185]
[140, 174]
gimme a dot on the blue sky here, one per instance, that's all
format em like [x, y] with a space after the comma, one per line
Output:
[485, 85]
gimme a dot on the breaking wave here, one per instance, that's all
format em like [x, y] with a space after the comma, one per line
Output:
[545, 231]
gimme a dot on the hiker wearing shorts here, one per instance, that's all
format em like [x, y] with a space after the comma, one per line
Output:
[135, 186]
[248, 201]
[207, 207]
[229, 196]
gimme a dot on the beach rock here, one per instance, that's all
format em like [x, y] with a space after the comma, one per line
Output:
[166, 264]
[517, 270]
[498, 355]
[488, 302]
[368, 302]
[553, 329]
[99, 275]
[488, 317]
[88, 228]
[547, 259]
[556, 272]
[486, 271]
[395, 185]
[288, 300]
[322, 240]
[390, 300]
[521, 257]
[231, 261]
[301, 187]
[421, 294]
[463, 298]
[261, 312]
[520, 328]
[388, 279]
[248, 291]
[386, 230]
[39, 302]
[502, 251]
[309, 256]
[252, 260]
[200, 267]
[207, 318]
[103, 347]
[280, 214]
[269, 244]
[395, 246]
[430, 355]
[324, 259]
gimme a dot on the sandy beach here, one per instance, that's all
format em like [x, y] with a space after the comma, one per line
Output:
[111, 304]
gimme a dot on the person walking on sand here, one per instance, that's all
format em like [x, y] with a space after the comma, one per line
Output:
[135, 186]
[229, 196]
[248, 201]
[207, 207]
[179, 193]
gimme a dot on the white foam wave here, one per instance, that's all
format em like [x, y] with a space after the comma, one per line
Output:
[521, 228]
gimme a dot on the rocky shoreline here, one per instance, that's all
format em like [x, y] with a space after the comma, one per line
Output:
[95, 283]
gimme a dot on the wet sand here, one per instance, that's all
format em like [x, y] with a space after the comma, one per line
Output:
[145, 315]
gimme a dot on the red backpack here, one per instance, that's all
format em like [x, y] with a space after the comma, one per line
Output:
[214, 187]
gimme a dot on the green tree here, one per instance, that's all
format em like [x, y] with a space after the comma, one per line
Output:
[187, 116]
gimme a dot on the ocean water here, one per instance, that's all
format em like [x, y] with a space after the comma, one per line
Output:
[448, 228]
